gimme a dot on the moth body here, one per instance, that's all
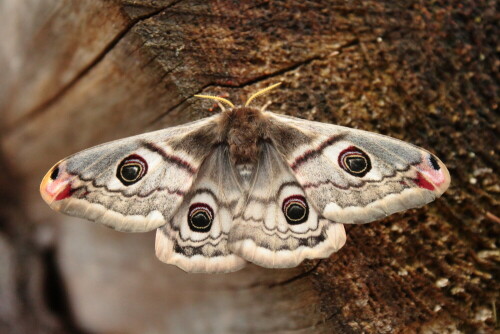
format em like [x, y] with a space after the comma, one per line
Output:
[244, 127]
[244, 186]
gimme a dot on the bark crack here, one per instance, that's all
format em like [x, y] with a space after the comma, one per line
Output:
[261, 78]
[83, 72]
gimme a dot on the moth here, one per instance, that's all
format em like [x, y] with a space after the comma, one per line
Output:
[245, 185]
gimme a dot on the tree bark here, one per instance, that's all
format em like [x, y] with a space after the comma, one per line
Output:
[79, 73]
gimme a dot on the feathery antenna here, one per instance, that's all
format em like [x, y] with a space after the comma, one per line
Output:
[229, 103]
[260, 92]
[216, 98]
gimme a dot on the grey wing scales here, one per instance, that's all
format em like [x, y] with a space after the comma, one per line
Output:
[354, 176]
[262, 232]
[91, 184]
[196, 238]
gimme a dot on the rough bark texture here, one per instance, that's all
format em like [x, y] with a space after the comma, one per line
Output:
[78, 73]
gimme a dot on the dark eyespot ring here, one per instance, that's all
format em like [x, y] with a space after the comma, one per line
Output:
[131, 169]
[354, 161]
[295, 209]
[434, 163]
[55, 173]
[200, 217]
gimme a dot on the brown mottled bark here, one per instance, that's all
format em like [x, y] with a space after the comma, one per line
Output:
[78, 73]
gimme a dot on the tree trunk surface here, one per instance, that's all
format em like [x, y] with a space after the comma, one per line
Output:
[78, 73]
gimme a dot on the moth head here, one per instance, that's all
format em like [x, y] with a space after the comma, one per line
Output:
[56, 184]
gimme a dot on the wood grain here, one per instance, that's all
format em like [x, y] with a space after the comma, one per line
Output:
[79, 73]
